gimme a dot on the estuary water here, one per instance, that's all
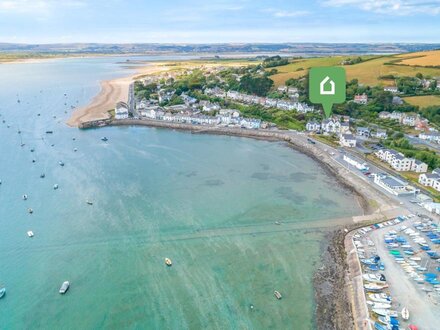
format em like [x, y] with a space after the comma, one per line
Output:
[210, 203]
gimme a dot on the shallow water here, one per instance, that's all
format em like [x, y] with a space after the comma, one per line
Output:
[209, 203]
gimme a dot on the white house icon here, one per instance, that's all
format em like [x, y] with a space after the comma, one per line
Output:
[322, 90]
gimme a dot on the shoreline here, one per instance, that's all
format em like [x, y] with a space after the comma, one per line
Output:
[334, 292]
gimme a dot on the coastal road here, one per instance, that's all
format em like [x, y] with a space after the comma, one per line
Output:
[338, 153]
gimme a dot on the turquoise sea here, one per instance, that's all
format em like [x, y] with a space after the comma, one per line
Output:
[209, 203]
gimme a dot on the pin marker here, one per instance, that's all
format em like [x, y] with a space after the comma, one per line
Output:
[327, 87]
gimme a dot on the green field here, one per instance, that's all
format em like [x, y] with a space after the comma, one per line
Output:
[367, 72]
[423, 101]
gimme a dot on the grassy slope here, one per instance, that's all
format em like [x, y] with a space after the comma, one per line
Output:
[366, 72]
[423, 101]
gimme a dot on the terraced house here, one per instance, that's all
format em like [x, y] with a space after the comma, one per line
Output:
[399, 162]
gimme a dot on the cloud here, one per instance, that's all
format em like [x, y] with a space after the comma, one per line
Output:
[285, 13]
[37, 6]
[395, 7]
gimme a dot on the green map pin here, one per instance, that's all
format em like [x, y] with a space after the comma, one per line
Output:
[327, 87]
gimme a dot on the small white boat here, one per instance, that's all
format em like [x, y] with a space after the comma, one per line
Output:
[30, 233]
[25, 197]
[61, 163]
[375, 278]
[64, 287]
[89, 202]
[55, 186]
[277, 294]
[168, 262]
[381, 306]
[405, 313]
[30, 210]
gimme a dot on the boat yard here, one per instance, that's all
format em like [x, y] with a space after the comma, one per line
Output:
[399, 271]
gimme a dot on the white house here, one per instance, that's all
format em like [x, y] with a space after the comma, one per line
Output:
[380, 134]
[419, 166]
[121, 110]
[313, 126]
[331, 126]
[361, 99]
[347, 140]
[356, 162]
[393, 185]
[363, 131]
[430, 180]
[409, 120]
[392, 89]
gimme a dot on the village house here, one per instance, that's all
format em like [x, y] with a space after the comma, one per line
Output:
[430, 180]
[399, 162]
[282, 89]
[392, 89]
[345, 127]
[363, 131]
[313, 126]
[393, 185]
[356, 162]
[361, 99]
[272, 103]
[432, 137]
[121, 110]
[384, 115]
[380, 134]
[230, 112]
[347, 140]
[208, 106]
[330, 126]
[216, 92]
[165, 95]
[409, 120]
[397, 100]
[250, 123]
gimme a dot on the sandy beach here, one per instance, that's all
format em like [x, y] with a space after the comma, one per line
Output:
[112, 91]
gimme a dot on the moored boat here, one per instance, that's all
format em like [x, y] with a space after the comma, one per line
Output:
[25, 197]
[277, 294]
[64, 287]
[2, 292]
[405, 313]
[89, 202]
[104, 139]
[30, 233]
[168, 262]
[55, 186]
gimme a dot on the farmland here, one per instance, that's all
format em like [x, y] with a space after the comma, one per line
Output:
[367, 72]
[423, 101]
[430, 58]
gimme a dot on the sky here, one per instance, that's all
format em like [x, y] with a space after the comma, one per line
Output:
[219, 21]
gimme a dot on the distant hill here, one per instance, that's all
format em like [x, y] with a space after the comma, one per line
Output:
[298, 49]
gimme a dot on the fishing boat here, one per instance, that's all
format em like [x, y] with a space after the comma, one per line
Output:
[168, 262]
[373, 287]
[384, 312]
[277, 294]
[25, 197]
[30, 233]
[2, 292]
[379, 297]
[64, 287]
[55, 186]
[375, 278]
[104, 139]
[381, 305]
[405, 313]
